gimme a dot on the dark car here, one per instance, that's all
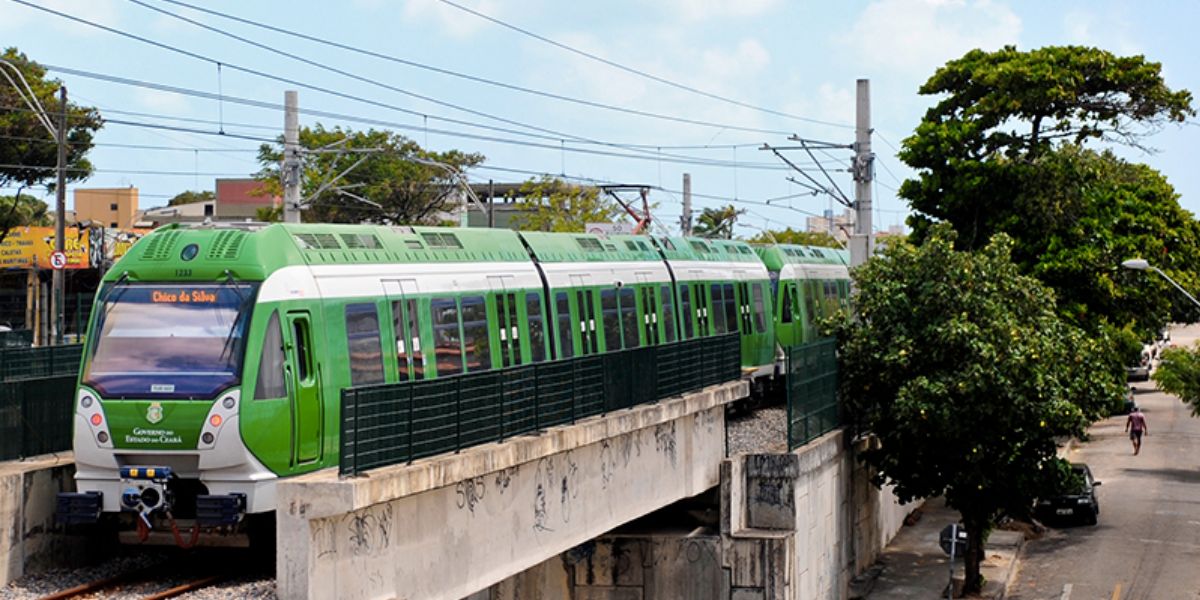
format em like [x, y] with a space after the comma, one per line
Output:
[1078, 505]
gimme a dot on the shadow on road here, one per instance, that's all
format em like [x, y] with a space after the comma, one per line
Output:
[1176, 475]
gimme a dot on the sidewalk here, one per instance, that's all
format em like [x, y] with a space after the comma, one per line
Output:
[913, 566]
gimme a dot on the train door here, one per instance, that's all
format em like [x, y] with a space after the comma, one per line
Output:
[650, 314]
[303, 378]
[401, 295]
[509, 327]
[585, 303]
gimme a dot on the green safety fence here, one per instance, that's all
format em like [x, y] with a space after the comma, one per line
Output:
[395, 423]
[812, 404]
[37, 390]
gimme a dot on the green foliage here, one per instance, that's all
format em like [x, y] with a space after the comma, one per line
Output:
[190, 197]
[793, 236]
[269, 214]
[27, 142]
[397, 190]
[551, 204]
[22, 210]
[1002, 152]
[1178, 374]
[964, 372]
[717, 222]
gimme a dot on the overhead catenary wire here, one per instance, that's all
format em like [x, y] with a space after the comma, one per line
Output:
[468, 77]
[639, 72]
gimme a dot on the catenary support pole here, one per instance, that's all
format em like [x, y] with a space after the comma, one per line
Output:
[685, 223]
[291, 157]
[491, 204]
[60, 219]
[862, 244]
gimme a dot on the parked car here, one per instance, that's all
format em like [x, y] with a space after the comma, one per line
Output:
[1079, 504]
[1140, 371]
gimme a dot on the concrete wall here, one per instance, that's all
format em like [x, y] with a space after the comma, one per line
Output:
[28, 541]
[793, 527]
[450, 526]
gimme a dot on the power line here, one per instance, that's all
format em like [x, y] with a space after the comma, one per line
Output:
[121, 171]
[17, 138]
[638, 72]
[468, 77]
[265, 75]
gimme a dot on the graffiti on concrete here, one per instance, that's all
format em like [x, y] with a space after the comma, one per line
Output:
[664, 440]
[772, 492]
[369, 530]
[504, 479]
[470, 493]
[325, 537]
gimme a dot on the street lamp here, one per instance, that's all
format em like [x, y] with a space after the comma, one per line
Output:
[1140, 264]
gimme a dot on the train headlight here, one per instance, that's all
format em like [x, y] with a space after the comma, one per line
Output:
[228, 402]
[86, 402]
[102, 437]
[207, 438]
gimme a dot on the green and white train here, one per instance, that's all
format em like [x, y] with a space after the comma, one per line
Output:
[217, 353]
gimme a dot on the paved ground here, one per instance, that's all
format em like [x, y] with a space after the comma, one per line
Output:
[1147, 544]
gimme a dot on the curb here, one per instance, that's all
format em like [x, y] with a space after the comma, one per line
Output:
[1012, 569]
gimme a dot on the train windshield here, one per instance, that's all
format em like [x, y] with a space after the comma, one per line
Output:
[169, 340]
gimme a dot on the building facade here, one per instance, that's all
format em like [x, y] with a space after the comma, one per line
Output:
[115, 208]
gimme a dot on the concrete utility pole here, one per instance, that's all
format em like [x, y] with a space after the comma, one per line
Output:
[862, 243]
[491, 204]
[291, 157]
[60, 192]
[685, 222]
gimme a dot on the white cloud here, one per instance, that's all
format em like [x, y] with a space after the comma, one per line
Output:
[454, 21]
[700, 10]
[164, 102]
[921, 35]
[1102, 31]
[103, 12]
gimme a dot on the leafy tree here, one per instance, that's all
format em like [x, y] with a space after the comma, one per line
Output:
[1178, 374]
[551, 204]
[794, 236]
[190, 197]
[717, 222]
[961, 368]
[269, 214]
[27, 143]
[1003, 150]
[388, 186]
[22, 211]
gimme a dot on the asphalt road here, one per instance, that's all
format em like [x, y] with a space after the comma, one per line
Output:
[1147, 544]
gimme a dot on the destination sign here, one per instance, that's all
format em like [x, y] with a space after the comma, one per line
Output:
[183, 296]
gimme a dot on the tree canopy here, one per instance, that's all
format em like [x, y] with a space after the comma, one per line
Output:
[190, 197]
[795, 236]
[1004, 151]
[961, 367]
[388, 186]
[22, 211]
[1178, 374]
[27, 143]
[551, 204]
[717, 222]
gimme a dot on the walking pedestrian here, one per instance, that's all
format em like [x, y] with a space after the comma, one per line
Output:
[1136, 426]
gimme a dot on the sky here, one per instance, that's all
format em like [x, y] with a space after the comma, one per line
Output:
[725, 77]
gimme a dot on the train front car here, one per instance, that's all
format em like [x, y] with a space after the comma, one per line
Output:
[808, 284]
[158, 446]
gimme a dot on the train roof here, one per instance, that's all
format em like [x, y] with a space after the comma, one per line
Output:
[253, 251]
[701, 249]
[585, 247]
[775, 256]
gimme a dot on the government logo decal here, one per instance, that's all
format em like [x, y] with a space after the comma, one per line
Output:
[154, 414]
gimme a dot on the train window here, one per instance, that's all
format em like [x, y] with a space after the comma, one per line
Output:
[610, 319]
[270, 364]
[414, 333]
[401, 330]
[447, 343]
[759, 322]
[668, 311]
[362, 340]
[718, 315]
[303, 362]
[565, 348]
[785, 304]
[731, 309]
[685, 311]
[629, 318]
[537, 339]
[476, 347]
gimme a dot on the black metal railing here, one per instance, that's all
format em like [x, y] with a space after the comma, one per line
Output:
[37, 391]
[400, 422]
[812, 403]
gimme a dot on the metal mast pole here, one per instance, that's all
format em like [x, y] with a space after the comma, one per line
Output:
[862, 244]
[60, 192]
[685, 223]
[291, 157]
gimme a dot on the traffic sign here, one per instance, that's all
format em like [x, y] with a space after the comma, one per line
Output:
[58, 260]
[951, 532]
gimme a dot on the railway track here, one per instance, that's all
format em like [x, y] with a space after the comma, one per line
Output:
[122, 583]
